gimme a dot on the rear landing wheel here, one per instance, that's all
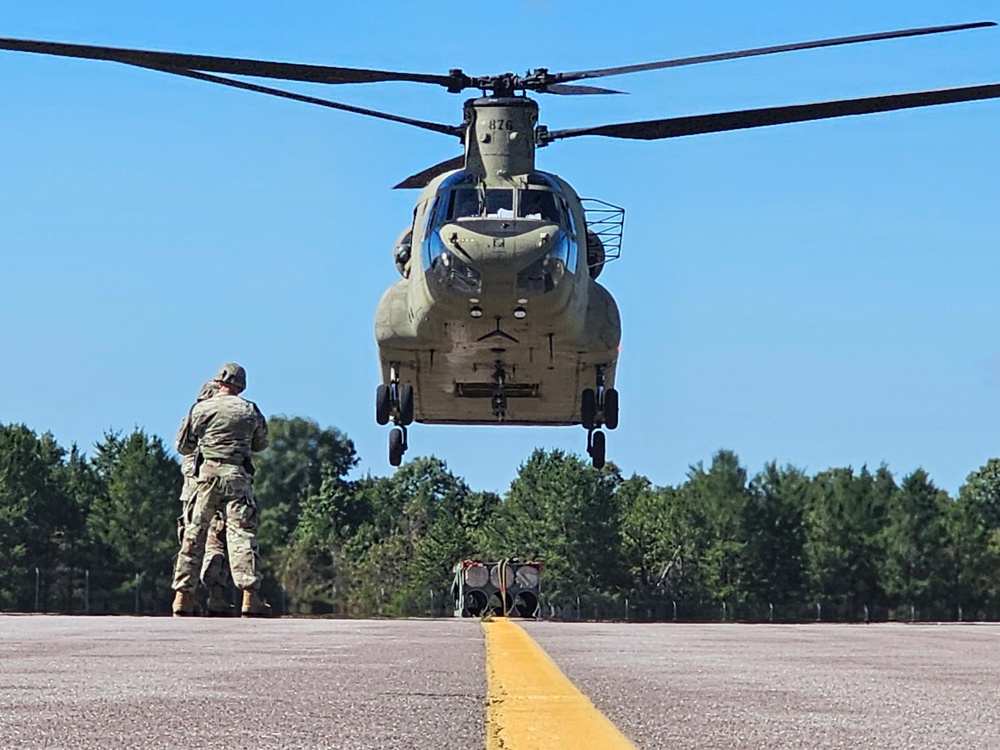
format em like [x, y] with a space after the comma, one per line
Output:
[610, 408]
[383, 404]
[405, 403]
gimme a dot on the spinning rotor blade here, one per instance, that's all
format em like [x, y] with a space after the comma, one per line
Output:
[601, 72]
[567, 89]
[676, 127]
[422, 179]
[436, 127]
[230, 65]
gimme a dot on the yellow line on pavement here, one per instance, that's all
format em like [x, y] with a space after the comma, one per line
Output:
[532, 705]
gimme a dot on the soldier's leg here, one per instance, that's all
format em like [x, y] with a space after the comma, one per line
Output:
[241, 539]
[244, 558]
[187, 505]
[214, 569]
[207, 500]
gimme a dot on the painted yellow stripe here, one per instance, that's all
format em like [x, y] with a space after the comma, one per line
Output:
[532, 705]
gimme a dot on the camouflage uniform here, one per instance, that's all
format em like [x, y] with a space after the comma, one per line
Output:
[224, 430]
[214, 569]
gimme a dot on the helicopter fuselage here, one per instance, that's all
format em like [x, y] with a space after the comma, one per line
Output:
[497, 295]
[498, 318]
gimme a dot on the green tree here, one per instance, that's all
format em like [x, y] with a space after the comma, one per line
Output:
[40, 520]
[133, 519]
[302, 461]
[844, 520]
[715, 502]
[973, 555]
[656, 538]
[774, 533]
[300, 457]
[915, 544]
[982, 491]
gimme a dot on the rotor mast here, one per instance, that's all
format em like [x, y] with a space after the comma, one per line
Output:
[500, 137]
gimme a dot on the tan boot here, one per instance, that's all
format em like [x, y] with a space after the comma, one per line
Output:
[183, 604]
[218, 605]
[254, 605]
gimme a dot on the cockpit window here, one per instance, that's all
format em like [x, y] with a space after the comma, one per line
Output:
[537, 204]
[464, 202]
[469, 202]
[500, 203]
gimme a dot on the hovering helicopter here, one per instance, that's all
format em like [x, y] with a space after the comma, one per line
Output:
[498, 317]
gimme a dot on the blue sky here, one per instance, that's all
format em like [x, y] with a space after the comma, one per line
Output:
[821, 294]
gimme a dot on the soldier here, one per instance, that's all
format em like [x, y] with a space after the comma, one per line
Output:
[214, 568]
[221, 432]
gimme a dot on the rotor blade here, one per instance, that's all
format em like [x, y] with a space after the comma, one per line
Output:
[568, 89]
[600, 72]
[676, 127]
[422, 179]
[230, 65]
[436, 127]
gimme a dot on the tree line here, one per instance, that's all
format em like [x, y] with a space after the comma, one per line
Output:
[97, 533]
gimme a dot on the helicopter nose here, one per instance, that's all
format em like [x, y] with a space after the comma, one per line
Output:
[488, 246]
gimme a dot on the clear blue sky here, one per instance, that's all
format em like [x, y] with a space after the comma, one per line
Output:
[822, 294]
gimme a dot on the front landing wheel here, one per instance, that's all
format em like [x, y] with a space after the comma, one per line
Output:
[397, 446]
[597, 449]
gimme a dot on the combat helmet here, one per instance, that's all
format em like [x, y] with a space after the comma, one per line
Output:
[232, 374]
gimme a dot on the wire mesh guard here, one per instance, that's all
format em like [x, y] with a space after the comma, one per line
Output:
[505, 588]
[605, 227]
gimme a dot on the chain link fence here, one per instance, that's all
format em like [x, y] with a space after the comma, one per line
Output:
[127, 592]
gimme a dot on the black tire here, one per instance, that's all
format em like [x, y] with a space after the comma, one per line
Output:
[611, 408]
[383, 404]
[405, 403]
[597, 448]
[395, 446]
[588, 408]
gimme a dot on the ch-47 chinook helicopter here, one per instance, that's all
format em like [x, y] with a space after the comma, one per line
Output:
[498, 318]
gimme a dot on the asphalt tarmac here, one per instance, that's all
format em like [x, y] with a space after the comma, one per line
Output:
[123, 682]
[788, 687]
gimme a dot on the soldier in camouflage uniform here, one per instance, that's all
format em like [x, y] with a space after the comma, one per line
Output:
[214, 568]
[222, 432]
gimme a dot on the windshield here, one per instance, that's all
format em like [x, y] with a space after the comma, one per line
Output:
[468, 202]
[537, 204]
[500, 203]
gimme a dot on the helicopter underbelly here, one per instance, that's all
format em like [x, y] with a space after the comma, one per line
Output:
[456, 363]
[541, 387]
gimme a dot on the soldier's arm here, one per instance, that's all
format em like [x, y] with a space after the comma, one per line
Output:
[186, 442]
[198, 419]
[259, 440]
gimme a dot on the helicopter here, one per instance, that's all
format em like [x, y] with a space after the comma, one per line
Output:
[498, 317]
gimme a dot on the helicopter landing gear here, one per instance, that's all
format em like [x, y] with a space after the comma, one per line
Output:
[394, 400]
[598, 408]
[383, 404]
[499, 399]
[596, 448]
[397, 445]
